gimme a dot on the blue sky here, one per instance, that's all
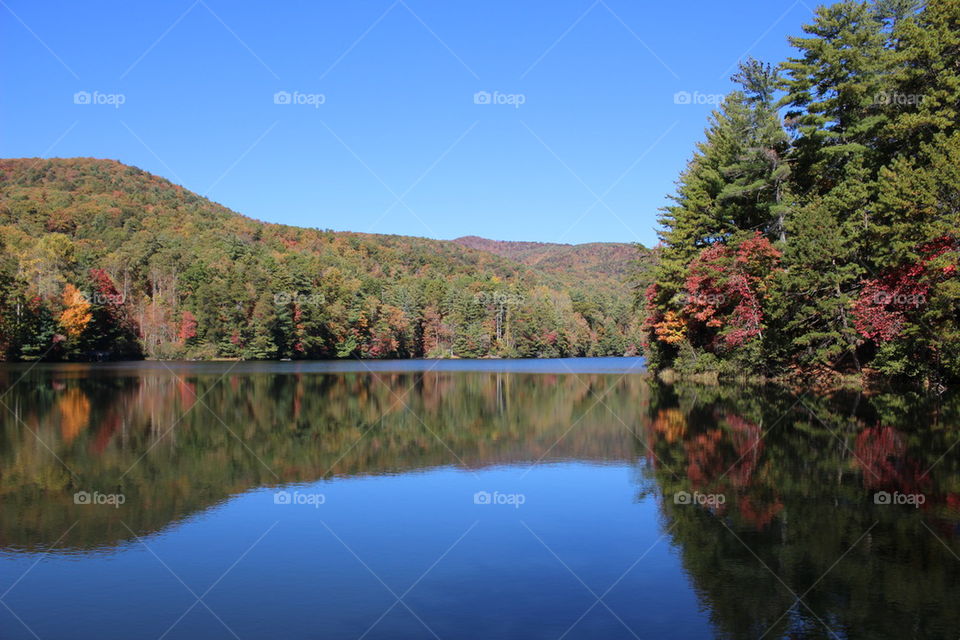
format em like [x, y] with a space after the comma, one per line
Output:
[575, 136]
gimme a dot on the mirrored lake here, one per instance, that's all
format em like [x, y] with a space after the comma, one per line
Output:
[469, 499]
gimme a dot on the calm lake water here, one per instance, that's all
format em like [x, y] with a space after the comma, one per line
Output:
[491, 499]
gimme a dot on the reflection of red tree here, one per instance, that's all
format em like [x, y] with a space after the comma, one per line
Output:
[709, 461]
[953, 501]
[705, 461]
[298, 397]
[726, 461]
[105, 432]
[74, 413]
[188, 394]
[759, 515]
[881, 452]
[748, 444]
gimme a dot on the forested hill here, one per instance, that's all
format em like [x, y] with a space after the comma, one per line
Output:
[591, 260]
[101, 259]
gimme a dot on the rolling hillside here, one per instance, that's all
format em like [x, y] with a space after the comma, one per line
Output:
[101, 259]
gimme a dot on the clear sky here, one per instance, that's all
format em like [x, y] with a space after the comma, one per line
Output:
[381, 124]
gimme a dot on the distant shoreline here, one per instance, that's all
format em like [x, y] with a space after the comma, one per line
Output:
[605, 365]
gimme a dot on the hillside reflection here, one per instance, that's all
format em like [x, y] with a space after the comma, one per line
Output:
[174, 445]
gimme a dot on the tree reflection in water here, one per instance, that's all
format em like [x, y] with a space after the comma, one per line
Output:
[809, 540]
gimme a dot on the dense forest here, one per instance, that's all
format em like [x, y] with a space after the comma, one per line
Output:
[815, 230]
[102, 260]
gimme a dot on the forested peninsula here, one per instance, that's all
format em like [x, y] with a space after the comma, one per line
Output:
[814, 233]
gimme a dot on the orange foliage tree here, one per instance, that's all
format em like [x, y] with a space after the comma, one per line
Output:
[76, 313]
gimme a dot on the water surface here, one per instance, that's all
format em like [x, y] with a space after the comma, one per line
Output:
[468, 499]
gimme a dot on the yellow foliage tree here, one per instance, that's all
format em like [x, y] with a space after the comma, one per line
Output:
[672, 329]
[76, 314]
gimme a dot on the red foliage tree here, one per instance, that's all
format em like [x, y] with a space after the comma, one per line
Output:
[188, 327]
[113, 323]
[724, 290]
[887, 301]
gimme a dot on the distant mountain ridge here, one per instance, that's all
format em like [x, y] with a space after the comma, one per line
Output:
[614, 259]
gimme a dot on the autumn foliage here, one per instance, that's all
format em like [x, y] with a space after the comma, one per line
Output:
[76, 313]
[813, 233]
[886, 303]
[720, 306]
[725, 288]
